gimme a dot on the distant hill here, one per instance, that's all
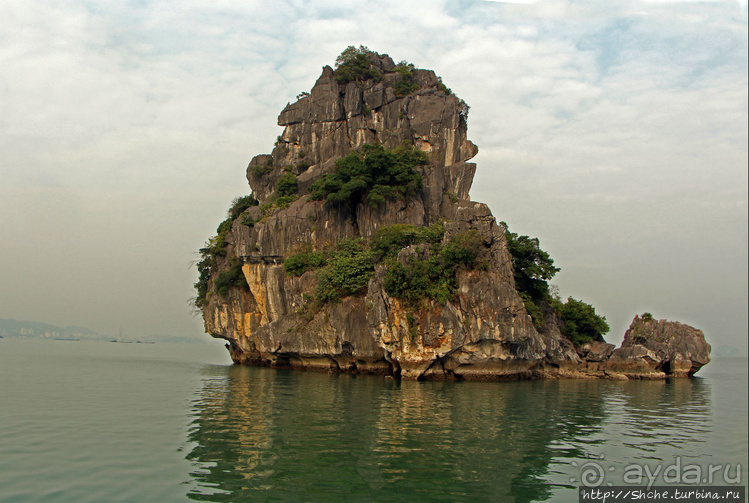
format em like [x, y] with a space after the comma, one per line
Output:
[38, 330]
[728, 351]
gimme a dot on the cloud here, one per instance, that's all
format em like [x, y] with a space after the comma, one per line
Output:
[527, 2]
[616, 137]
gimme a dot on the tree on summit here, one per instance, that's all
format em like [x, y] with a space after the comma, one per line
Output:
[354, 64]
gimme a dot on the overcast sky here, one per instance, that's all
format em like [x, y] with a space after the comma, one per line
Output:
[614, 131]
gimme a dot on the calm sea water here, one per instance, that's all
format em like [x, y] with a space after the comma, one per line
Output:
[95, 421]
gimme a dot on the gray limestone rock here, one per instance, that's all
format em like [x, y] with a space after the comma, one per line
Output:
[679, 349]
[595, 351]
[485, 332]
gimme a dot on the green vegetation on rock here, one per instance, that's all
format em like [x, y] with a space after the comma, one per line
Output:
[286, 185]
[342, 271]
[215, 248]
[581, 323]
[390, 239]
[205, 266]
[353, 64]
[347, 272]
[275, 204]
[262, 169]
[533, 267]
[442, 87]
[240, 204]
[373, 176]
[406, 84]
[462, 250]
[304, 260]
[231, 277]
[431, 273]
[356, 65]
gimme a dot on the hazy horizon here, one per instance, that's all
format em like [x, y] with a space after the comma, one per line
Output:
[614, 132]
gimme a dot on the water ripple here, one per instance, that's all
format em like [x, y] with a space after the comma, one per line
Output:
[102, 431]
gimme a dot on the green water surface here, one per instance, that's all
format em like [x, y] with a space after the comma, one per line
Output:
[93, 421]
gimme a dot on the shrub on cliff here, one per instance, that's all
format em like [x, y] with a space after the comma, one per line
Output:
[262, 169]
[374, 176]
[462, 250]
[216, 247]
[232, 277]
[442, 87]
[533, 267]
[581, 324]
[205, 265]
[286, 185]
[347, 272]
[390, 239]
[417, 279]
[431, 274]
[353, 64]
[406, 84]
[303, 261]
[240, 204]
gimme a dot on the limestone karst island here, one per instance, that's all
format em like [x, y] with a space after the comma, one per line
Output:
[358, 250]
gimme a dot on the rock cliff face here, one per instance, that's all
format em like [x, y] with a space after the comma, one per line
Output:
[483, 331]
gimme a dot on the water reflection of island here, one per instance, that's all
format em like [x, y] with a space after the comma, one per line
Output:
[261, 433]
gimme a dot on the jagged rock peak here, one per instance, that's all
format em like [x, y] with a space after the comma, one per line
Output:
[385, 104]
